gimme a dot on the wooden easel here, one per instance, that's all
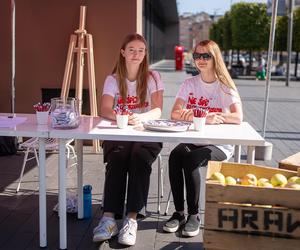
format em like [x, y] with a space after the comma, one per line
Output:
[81, 38]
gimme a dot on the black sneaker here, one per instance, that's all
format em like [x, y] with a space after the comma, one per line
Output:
[191, 227]
[174, 223]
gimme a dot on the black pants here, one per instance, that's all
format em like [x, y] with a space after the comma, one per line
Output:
[185, 160]
[134, 159]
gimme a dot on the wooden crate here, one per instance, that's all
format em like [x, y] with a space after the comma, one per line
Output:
[234, 241]
[291, 163]
[246, 217]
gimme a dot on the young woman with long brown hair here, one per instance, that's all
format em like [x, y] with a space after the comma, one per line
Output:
[134, 85]
[214, 89]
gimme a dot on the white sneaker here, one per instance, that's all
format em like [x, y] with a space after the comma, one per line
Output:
[127, 235]
[106, 229]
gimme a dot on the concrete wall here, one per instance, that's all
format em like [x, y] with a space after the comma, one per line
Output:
[43, 30]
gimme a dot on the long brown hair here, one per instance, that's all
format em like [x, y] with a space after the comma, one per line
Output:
[221, 71]
[143, 72]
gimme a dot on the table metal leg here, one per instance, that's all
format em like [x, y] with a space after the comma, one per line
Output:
[168, 203]
[42, 193]
[79, 150]
[62, 195]
[251, 154]
[237, 153]
[158, 185]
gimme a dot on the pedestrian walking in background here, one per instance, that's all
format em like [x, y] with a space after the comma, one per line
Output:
[261, 69]
[214, 89]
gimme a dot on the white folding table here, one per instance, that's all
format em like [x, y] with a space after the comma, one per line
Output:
[97, 128]
[242, 135]
[29, 128]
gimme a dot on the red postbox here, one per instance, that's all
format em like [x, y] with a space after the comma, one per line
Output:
[178, 57]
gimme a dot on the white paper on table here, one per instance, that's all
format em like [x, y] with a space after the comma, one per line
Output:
[6, 122]
[107, 124]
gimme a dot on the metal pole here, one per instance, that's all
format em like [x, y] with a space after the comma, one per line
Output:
[289, 41]
[269, 62]
[13, 65]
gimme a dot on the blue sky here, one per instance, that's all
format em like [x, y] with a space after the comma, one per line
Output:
[210, 6]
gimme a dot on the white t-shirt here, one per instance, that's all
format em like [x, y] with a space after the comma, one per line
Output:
[216, 96]
[132, 101]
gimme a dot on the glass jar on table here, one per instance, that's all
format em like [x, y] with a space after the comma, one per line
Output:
[65, 113]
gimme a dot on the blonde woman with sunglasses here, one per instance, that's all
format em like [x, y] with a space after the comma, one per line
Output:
[213, 89]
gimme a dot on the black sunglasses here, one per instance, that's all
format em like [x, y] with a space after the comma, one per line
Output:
[204, 56]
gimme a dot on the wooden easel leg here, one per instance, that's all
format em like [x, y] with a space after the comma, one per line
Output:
[91, 75]
[92, 84]
[68, 68]
[79, 70]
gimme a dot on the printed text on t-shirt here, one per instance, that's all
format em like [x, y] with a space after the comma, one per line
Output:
[202, 102]
[132, 102]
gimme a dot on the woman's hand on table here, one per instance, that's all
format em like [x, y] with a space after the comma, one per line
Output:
[215, 118]
[134, 119]
[185, 115]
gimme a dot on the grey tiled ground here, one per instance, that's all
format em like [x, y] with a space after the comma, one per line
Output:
[19, 212]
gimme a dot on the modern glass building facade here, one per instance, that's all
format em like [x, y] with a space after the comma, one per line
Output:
[161, 28]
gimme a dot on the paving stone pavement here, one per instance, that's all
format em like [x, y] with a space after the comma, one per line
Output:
[19, 212]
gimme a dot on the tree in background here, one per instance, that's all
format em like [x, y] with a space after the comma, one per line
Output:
[296, 36]
[281, 36]
[227, 33]
[250, 27]
[215, 33]
[281, 42]
[246, 27]
[220, 32]
[212, 31]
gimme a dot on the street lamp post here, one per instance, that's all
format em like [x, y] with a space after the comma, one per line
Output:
[289, 42]
[13, 50]
[269, 62]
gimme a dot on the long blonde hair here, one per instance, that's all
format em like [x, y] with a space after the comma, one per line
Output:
[221, 71]
[143, 73]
